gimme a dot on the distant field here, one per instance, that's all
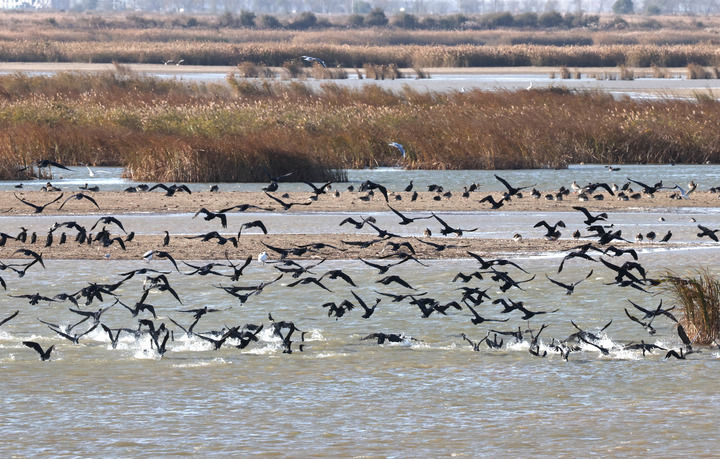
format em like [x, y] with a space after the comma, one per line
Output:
[58, 37]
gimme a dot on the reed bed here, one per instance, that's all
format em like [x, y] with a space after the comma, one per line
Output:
[699, 299]
[169, 130]
[276, 54]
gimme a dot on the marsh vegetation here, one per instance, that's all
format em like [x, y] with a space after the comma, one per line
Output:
[170, 130]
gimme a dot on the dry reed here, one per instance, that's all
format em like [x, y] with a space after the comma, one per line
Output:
[170, 130]
[699, 299]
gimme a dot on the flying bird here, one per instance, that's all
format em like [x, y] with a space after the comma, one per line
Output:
[399, 147]
[38, 208]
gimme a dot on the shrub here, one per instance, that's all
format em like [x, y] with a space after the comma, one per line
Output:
[355, 20]
[376, 18]
[699, 299]
[698, 72]
[526, 20]
[405, 21]
[550, 19]
[247, 18]
[267, 21]
[305, 21]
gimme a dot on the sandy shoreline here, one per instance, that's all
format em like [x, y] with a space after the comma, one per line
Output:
[182, 248]
[120, 203]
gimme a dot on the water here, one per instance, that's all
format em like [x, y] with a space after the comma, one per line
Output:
[344, 396]
[396, 179]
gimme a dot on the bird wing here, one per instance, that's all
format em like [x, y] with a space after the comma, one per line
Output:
[565, 286]
[9, 318]
[34, 345]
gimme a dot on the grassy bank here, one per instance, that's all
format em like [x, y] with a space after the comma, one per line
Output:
[167, 130]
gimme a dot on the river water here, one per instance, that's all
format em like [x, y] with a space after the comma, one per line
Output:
[343, 396]
[396, 179]
[429, 395]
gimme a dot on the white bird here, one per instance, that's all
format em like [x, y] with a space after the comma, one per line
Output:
[400, 148]
[147, 256]
[529, 87]
[314, 59]
[90, 172]
[575, 187]
[262, 257]
[684, 194]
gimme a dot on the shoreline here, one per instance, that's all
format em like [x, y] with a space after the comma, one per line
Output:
[118, 202]
[182, 248]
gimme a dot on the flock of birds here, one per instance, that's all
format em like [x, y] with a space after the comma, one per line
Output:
[486, 290]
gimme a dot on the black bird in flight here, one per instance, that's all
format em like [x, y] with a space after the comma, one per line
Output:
[238, 269]
[309, 280]
[488, 264]
[651, 313]
[172, 189]
[108, 220]
[358, 224]
[705, 231]
[38, 208]
[368, 185]
[590, 218]
[493, 203]
[396, 279]
[478, 319]
[113, 338]
[253, 224]
[390, 337]
[647, 189]
[552, 232]
[511, 190]
[75, 339]
[440, 247]
[147, 256]
[243, 208]
[318, 191]
[44, 354]
[619, 252]
[570, 288]
[406, 220]
[646, 325]
[447, 229]
[338, 273]
[338, 310]
[382, 233]
[43, 163]
[78, 197]
[208, 215]
[287, 205]
[368, 310]
[37, 257]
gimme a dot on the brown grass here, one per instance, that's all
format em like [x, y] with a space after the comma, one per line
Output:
[699, 298]
[156, 39]
[170, 130]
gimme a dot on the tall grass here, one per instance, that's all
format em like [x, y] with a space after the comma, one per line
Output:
[170, 130]
[699, 299]
[405, 56]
